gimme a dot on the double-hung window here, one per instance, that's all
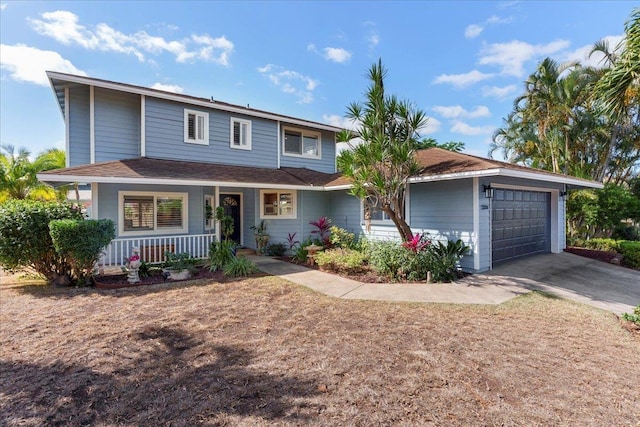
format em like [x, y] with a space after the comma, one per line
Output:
[305, 143]
[240, 134]
[196, 127]
[152, 213]
[277, 204]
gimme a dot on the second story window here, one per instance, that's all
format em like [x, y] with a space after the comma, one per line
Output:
[301, 143]
[196, 127]
[240, 134]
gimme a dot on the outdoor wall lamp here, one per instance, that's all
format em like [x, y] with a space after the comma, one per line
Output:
[563, 194]
[488, 191]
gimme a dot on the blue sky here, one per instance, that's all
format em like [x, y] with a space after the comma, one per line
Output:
[463, 63]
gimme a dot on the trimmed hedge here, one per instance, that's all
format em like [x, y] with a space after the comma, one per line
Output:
[25, 241]
[631, 253]
[81, 242]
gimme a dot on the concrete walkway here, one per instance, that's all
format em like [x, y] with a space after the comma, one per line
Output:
[569, 276]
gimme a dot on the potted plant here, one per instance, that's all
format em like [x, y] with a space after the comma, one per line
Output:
[262, 238]
[178, 266]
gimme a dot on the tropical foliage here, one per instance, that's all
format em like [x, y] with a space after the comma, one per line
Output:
[25, 240]
[18, 178]
[380, 166]
[580, 120]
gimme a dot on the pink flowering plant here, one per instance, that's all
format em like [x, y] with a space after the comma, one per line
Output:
[417, 243]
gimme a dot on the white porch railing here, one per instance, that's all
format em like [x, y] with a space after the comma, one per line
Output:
[152, 249]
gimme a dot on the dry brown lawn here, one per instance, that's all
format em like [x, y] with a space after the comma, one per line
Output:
[263, 351]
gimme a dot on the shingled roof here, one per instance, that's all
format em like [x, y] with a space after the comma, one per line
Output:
[145, 170]
[436, 165]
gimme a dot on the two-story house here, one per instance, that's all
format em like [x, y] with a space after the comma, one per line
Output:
[157, 162]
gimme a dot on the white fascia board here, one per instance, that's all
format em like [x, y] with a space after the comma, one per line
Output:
[338, 187]
[457, 175]
[152, 181]
[562, 179]
[187, 100]
[510, 173]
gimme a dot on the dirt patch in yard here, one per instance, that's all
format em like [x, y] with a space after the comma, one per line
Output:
[262, 352]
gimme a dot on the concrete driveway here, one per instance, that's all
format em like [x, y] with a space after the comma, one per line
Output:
[603, 285]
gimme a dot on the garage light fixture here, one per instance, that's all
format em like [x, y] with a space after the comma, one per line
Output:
[488, 191]
[563, 194]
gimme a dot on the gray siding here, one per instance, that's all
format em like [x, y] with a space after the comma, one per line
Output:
[444, 210]
[324, 164]
[117, 125]
[165, 137]
[79, 126]
[344, 211]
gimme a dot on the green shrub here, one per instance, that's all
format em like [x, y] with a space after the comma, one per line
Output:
[635, 317]
[25, 241]
[630, 254]
[221, 253]
[389, 259]
[276, 249]
[341, 238]
[179, 261]
[81, 242]
[445, 260]
[341, 260]
[240, 266]
[609, 245]
[299, 253]
[626, 232]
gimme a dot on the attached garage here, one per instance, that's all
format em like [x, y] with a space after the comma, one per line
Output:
[520, 223]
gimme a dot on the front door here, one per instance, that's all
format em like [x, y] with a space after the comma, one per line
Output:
[231, 205]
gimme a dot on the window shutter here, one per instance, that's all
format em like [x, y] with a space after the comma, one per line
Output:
[169, 212]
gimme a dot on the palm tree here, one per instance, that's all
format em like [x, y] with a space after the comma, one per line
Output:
[18, 178]
[380, 167]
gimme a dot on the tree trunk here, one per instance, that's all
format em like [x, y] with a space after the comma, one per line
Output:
[402, 226]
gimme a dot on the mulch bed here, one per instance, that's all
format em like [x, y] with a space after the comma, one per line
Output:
[118, 281]
[592, 253]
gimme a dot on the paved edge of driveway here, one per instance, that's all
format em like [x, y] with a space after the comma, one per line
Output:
[475, 289]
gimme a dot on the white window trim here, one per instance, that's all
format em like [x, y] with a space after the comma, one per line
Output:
[303, 132]
[205, 140]
[212, 202]
[384, 221]
[294, 204]
[155, 232]
[233, 121]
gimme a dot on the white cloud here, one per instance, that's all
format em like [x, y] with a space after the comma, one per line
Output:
[472, 31]
[65, 27]
[168, 88]
[291, 82]
[28, 64]
[3, 6]
[373, 39]
[499, 92]
[596, 60]
[311, 48]
[511, 56]
[456, 111]
[433, 126]
[339, 121]
[462, 80]
[465, 129]
[337, 54]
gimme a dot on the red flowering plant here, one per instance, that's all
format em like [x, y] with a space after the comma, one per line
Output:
[322, 225]
[417, 243]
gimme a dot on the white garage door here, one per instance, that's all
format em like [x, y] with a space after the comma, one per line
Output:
[520, 223]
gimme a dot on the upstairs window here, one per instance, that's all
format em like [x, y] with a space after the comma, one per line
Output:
[240, 134]
[301, 143]
[196, 127]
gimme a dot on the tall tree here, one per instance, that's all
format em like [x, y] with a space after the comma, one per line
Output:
[18, 178]
[380, 166]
